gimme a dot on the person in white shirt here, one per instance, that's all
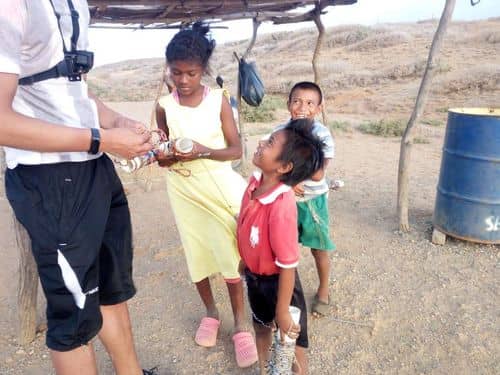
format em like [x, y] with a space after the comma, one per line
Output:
[62, 186]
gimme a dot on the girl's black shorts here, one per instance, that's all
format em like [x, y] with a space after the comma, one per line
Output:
[77, 216]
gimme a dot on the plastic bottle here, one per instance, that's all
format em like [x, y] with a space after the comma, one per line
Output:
[182, 145]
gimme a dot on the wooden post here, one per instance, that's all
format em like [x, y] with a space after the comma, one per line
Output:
[244, 165]
[28, 278]
[28, 286]
[317, 52]
[409, 134]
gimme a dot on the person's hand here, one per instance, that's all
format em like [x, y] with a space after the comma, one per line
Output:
[125, 142]
[166, 160]
[198, 151]
[299, 189]
[287, 326]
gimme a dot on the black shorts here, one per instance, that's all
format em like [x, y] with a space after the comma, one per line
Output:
[263, 297]
[77, 216]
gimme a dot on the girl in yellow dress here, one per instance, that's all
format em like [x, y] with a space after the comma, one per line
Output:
[204, 191]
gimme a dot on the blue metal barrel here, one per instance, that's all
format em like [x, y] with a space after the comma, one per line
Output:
[468, 193]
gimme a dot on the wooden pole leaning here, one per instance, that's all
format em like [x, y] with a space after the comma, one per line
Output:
[28, 278]
[409, 134]
[316, 55]
[245, 165]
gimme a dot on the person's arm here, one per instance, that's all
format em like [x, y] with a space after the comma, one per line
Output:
[317, 176]
[233, 149]
[320, 173]
[285, 291]
[24, 132]
[284, 244]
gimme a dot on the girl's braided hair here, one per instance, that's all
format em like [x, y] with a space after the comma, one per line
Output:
[193, 43]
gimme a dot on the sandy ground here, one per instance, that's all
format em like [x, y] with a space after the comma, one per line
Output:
[403, 305]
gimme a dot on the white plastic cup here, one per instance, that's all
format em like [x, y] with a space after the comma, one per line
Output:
[184, 145]
[295, 313]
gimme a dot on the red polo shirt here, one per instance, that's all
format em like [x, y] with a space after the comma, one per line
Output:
[267, 229]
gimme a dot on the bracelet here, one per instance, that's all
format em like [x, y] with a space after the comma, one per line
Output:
[95, 141]
[204, 154]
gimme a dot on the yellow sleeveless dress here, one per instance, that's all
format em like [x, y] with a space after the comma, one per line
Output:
[205, 200]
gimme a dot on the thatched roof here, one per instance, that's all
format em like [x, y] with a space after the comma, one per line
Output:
[167, 12]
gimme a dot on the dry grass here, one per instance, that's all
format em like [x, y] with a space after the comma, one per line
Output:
[384, 128]
[477, 78]
[384, 40]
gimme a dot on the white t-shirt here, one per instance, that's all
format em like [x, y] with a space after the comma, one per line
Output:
[30, 42]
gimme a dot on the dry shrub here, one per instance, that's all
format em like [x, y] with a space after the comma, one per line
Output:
[493, 37]
[304, 43]
[482, 77]
[336, 39]
[408, 70]
[334, 67]
[282, 85]
[294, 68]
[383, 127]
[380, 41]
[362, 78]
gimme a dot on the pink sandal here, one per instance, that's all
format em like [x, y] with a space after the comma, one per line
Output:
[245, 349]
[206, 335]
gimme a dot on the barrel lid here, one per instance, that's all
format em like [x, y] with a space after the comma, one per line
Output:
[477, 111]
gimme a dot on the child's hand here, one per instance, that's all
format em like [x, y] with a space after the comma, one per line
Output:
[287, 326]
[299, 189]
[166, 160]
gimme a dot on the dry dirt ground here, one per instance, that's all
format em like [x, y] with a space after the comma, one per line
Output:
[403, 305]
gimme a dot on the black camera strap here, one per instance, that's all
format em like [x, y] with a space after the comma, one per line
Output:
[74, 22]
[61, 69]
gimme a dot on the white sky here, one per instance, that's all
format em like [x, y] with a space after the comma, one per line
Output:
[117, 45]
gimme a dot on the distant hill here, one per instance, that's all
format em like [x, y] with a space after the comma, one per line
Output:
[365, 70]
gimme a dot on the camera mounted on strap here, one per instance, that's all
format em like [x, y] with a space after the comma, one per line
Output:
[75, 62]
[78, 63]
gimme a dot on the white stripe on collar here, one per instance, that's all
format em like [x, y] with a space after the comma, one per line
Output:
[271, 197]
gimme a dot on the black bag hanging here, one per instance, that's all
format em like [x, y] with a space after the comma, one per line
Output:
[251, 86]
